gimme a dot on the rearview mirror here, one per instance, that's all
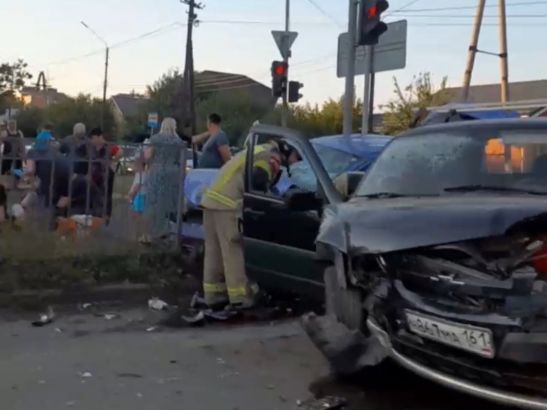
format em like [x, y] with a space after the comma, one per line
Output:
[298, 200]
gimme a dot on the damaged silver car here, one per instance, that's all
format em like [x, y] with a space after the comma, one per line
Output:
[439, 260]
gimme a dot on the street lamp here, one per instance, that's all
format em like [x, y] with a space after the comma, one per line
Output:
[107, 48]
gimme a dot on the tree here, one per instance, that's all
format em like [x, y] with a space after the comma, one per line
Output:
[238, 111]
[163, 94]
[317, 120]
[63, 115]
[418, 95]
[13, 77]
[83, 108]
[30, 120]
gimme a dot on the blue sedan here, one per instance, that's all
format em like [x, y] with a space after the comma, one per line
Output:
[338, 154]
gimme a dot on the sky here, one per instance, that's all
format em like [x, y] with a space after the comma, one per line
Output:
[235, 36]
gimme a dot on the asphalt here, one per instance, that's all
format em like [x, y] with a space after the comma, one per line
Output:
[84, 361]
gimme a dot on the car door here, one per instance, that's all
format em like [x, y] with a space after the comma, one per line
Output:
[280, 242]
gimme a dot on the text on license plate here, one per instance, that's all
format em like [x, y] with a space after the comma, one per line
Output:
[473, 339]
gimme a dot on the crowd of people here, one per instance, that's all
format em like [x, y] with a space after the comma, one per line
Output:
[75, 175]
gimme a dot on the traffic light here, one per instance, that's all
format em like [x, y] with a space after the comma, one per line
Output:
[279, 78]
[371, 27]
[294, 91]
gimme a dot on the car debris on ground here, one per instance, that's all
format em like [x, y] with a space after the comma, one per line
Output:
[45, 318]
[325, 403]
[157, 304]
[348, 351]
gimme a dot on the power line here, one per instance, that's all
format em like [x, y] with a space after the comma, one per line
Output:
[324, 13]
[148, 34]
[116, 45]
[523, 3]
[470, 16]
[406, 6]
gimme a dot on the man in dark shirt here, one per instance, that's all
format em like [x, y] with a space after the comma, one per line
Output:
[60, 188]
[97, 152]
[216, 151]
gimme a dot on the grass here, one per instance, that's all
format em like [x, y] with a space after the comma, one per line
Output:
[33, 257]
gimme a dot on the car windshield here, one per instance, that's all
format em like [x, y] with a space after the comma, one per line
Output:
[335, 161]
[468, 160]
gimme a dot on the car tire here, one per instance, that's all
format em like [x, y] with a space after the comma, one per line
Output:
[344, 304]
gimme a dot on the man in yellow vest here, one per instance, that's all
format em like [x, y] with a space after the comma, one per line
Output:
[224, 277]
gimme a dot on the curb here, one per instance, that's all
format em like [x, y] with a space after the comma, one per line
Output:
[126, 294]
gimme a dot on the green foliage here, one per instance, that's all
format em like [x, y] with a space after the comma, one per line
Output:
[418, 95]
[30, 119]
[237, 109]
[163, 94]
[317, 120]
[14, 76]
[63, 115]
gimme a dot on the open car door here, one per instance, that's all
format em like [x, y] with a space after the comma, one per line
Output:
[280, 236]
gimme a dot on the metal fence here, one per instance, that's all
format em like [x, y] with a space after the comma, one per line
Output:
[84, 194]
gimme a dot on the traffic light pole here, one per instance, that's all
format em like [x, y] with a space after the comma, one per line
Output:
[367, 96]
[285, 108]
[350, 75]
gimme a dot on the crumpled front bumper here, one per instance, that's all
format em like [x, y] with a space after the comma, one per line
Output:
[466, 387]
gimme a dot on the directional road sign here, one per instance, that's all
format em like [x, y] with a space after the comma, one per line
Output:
[389, 53]
[284, 41]
[153, 120]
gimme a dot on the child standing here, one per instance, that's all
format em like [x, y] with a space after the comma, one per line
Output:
[137, 198]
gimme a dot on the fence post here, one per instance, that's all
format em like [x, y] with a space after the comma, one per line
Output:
[180, 196]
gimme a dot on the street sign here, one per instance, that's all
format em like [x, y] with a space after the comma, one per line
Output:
[153, 120]
[284, 41]
[389, 53]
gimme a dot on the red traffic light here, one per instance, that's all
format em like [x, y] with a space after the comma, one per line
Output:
[280, 69]
[376, 9]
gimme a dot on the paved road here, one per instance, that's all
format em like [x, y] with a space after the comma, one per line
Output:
[86, 362]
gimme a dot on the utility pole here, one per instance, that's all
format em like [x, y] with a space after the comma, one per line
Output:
[285, 108]
[105, 84]
[503, 52]
[350, 75]
[188, 96]
[473, 50]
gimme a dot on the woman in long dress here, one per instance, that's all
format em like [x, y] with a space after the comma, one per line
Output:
[163, 185]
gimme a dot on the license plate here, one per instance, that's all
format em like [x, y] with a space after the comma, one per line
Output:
[470, 338]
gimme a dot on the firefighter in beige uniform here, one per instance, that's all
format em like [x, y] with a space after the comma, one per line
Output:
[224, 278]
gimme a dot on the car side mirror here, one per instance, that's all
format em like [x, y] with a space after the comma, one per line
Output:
[299, 200]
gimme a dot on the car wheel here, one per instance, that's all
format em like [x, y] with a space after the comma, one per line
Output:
[344, 304]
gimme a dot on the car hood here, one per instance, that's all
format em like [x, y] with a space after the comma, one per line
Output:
[388, 225]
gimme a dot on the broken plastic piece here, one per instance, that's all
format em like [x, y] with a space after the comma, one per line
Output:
[197, 302]
[348, 351]
[326, 403]
[45, 318]
[196, 319]
[220, 315]
[157, 304]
